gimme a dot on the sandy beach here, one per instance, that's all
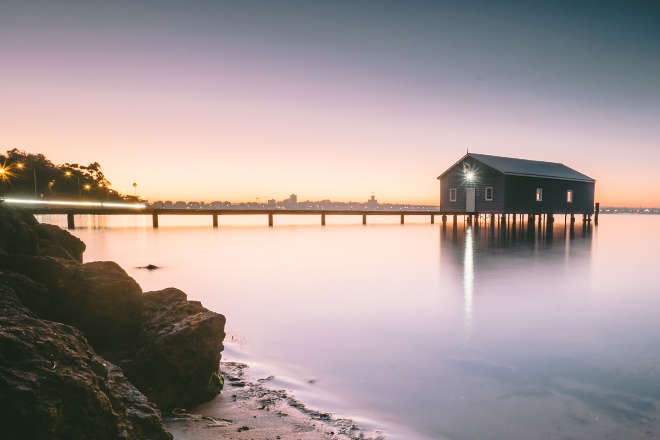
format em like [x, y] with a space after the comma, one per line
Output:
[253, 411]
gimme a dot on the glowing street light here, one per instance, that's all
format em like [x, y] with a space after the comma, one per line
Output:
[87, 186]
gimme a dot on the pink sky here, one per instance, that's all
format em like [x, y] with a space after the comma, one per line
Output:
[195, 113]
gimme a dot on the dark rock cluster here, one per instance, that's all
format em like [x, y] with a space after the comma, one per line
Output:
[83, 352]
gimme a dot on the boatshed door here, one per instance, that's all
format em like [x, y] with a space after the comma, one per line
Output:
[470, 196]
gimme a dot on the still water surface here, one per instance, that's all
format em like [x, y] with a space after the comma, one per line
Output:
[427, 333]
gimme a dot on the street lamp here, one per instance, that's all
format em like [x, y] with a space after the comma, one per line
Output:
[69, 173]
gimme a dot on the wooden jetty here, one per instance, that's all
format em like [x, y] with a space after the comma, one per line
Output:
[215, 214]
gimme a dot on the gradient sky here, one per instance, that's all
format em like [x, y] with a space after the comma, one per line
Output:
[219, 100]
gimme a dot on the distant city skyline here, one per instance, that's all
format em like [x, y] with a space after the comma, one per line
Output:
[237, 100]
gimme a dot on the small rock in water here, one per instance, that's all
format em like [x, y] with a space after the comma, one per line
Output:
[149, 267]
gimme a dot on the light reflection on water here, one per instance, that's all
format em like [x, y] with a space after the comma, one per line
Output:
[468, 278]
[464, 333]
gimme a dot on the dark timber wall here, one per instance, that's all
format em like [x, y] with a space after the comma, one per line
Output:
[485, 177]
[521, 195]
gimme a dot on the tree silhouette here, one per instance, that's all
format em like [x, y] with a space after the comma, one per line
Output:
[33, 175]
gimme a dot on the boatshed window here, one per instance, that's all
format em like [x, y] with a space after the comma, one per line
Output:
[452, 194]
[539, 194]
[569, 196]
[489, 194]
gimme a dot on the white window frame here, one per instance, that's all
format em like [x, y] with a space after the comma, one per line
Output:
[539, 194]
[486, 190]
[570, 196]
[452, 194]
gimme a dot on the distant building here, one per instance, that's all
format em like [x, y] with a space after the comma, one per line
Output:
[291, 202]
[480, 183]
[372, 203]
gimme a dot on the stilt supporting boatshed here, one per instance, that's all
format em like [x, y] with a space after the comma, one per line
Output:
[154, 220]
[596, 211]
[70, 222]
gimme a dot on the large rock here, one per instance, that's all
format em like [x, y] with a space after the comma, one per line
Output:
[17, 235]
[180, 346]
[54, 386]
[56, 242]
[21, 234]
[99, 298]
[169, 346]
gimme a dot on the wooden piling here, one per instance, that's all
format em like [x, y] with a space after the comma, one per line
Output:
[323, 219]
[401, 218]
[596, 211]
[432, 219]
[215, 220]
[270, 220]
[154, 221]
[364, 219]
[444, 219]
[70, 222]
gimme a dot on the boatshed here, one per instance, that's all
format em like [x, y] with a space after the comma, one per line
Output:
[481, 183]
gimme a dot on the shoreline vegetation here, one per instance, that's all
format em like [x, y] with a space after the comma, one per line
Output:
[84, 353]
[24, 174]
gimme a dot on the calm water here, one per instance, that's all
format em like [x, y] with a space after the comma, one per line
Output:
[424, 333]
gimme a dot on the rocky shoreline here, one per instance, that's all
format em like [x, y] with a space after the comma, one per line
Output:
[251, 409]
[84, 353]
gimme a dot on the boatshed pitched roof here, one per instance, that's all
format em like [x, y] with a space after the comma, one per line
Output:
[528, 168]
